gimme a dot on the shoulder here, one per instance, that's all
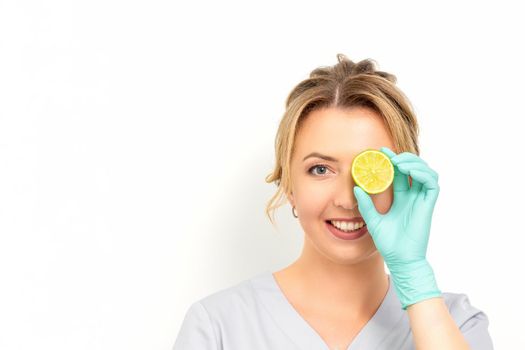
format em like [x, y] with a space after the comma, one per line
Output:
[228, 303]
[230, 298]
[206, 318]
[471, 320]
[461, 308]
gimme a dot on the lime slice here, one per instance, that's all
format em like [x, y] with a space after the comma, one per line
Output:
[373, 171]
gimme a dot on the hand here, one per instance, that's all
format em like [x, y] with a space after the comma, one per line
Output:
[401, 235]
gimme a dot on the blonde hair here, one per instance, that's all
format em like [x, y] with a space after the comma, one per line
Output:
[344, 85]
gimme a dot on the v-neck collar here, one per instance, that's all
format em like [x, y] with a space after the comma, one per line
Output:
[304, 336]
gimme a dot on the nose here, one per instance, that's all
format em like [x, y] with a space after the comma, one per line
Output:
[344, 193]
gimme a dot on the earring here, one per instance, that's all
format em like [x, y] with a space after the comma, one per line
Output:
[293, 213]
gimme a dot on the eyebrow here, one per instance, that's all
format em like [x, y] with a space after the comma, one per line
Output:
[319, 155]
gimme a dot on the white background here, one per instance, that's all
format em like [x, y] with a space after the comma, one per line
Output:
[135, 137]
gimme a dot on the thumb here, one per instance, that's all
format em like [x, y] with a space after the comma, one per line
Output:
[366, 206]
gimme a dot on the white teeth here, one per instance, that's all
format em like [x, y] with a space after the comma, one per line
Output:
[347, 226]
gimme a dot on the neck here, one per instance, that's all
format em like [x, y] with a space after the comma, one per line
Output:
[359, 287]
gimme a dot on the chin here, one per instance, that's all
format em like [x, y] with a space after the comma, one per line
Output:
[354, 259]
[350, 255]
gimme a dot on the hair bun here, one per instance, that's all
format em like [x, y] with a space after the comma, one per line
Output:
[347, 68]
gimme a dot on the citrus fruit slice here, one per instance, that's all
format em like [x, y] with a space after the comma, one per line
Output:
[373, 171]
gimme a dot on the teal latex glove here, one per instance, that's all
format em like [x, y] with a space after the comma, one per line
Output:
[401, 235]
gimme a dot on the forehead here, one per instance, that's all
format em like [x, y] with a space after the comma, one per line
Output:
[338, 132]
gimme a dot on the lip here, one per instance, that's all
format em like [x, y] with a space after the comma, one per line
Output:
[344, 235]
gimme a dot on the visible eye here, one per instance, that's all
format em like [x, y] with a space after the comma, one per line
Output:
[317, 166]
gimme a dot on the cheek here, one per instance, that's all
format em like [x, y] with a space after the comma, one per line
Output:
[383, 201]
[312, 208]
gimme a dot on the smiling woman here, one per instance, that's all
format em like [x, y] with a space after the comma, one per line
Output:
[337, 294]
[344, 86]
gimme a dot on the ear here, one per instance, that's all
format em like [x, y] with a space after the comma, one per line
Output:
[291, 199]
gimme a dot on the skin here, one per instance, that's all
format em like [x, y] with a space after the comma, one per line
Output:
[337, 285]
[344, 281]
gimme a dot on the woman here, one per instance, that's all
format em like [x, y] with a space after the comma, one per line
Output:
[337, 295]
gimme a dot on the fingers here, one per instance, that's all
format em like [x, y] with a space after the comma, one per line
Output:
[400, 178]
[405, 166]
[409, 163]
[425, 179]
[366, 206]
[407, 156]
[388, 152]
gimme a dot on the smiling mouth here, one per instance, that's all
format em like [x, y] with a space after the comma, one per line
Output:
[348, 231]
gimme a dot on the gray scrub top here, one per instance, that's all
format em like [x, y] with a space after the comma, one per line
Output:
[255, 314]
